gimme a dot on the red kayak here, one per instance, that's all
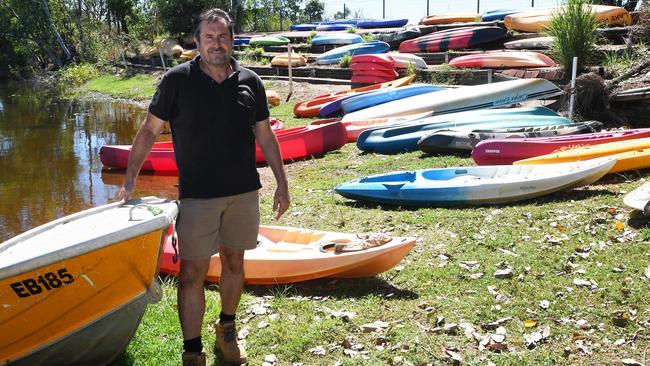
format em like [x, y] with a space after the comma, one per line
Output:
[380, 59]
[507, 151]
[453, 39]
[295, 143]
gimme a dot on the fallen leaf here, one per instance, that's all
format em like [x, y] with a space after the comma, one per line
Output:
[455, 356]
[631, 362]
[318, 351]
[271, 358]
[377, 326]
[583, 324]
[544, 304]
[647, 272]
[619, 225]
[496, 324]
[530, 323]
[503, 273]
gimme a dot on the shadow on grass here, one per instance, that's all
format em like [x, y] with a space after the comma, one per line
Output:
[124, 359]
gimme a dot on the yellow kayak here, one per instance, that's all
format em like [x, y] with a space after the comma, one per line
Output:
[451, 18]
[631, 154]
[283, 60]
[537, 20]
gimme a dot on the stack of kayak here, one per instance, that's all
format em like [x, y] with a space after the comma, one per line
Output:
[334, 56]
[372, 69]
[453, 39]
[502, 59]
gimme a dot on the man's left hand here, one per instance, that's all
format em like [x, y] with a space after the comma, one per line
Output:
[281, 201]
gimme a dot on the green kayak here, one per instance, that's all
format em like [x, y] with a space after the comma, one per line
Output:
[269, 41]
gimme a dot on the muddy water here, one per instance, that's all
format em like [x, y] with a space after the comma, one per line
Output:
[49, 156]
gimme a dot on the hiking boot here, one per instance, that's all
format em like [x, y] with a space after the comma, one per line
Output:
[193, 359]
[226, 342]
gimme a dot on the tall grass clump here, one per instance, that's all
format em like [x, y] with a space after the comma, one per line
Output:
[574, 28]
[311, 36]
[367, 37]
[346, 60]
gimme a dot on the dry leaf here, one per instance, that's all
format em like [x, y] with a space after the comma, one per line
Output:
[271, 358]
[530, 323]
[455, 356]
[503, 273]
[377, 326]
[631, 362]
[647, 272]
[318, 351]
[619, 225]
[544, 304]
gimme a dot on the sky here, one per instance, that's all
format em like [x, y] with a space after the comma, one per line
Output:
[414, 10]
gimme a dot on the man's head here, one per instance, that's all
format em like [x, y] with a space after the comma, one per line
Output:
[214, 37]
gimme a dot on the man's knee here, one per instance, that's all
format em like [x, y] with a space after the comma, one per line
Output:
[232, 260]
[192, 273]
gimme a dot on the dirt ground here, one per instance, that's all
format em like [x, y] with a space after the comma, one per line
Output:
[301, 90]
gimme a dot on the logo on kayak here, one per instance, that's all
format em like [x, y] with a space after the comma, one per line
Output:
[527, 188]
[492, 151]
[511, 99]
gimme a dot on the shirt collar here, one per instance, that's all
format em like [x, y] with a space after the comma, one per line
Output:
[194, 64]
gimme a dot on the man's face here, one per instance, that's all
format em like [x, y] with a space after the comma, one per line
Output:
[215, 43]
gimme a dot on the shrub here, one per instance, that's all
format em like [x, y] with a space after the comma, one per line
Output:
[76, 75]
[351, 30]
[574, 28]
[311, 36]
[345, 61]
[411, 69]
[367, 37]
[254, 51]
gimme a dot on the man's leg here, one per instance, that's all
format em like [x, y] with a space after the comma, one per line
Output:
[232, 279]
[191, 308]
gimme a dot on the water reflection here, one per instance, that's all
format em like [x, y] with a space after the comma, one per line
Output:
[49, 154]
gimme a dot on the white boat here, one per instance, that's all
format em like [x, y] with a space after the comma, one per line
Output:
[639, 199]
[73, 291]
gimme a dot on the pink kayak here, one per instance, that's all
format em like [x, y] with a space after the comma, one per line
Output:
[507, 151]
[503, 59]
[295, 143]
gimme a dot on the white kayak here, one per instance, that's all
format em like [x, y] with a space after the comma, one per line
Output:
[639, 199]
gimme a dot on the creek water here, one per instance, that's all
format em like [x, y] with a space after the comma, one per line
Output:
[49, 156]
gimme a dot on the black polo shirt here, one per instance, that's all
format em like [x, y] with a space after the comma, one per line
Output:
[212, 128]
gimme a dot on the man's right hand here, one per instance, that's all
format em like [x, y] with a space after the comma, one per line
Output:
[125, 192]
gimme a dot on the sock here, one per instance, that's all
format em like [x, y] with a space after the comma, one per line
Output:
[226, 318]
[193, 345]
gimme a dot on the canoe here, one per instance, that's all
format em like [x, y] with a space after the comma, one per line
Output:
[498, 14]
[457, 139]
[283, 60]
[396, 36]
[537, 20]
[502, 59]
[370, 78]
[450, 18]
[639, 199]
[303, 27]
[269, 41]
[467, 98]
[295, 143]
[459, 186]
[380, 59]
[371, 66]
[405, 137]
[333, 27]
[311, 108]
[453, 39]
[241, 40]
[358, 102]
[530, 43]
[339, 38]
[288, 255]
[335, 55]
[188, 54]
[353, 129]
[507, 151]
[631, 154]
[83, 280]
[402, 60]
[382, 23]
[335, 107]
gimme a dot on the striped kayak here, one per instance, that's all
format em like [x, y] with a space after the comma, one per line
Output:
[537, 20]
[507, 151]
[382, 23]
[450, 18]
[335, 55]
[405, 137]
[458, 139]
[502, 59]
[631, 155]
[639, 199]
[498, 14]
[358, 102]
[268, 41]
[530, 43]
[453, 39]
[340, 38]
[75, 289]
[467, 98]
[288, 255]
[459, 186]
[311, 108]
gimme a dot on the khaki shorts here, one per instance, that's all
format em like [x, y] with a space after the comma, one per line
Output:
[205, 224]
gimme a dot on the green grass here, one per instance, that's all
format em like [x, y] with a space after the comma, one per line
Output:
[430, 284]
[139, 87]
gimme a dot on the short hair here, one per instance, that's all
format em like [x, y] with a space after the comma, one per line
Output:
[211, 16]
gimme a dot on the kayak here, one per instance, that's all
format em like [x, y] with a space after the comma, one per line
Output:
[458, 139]
[268, 41]
[503, 59]
[467, 98]
[311, 108]
[339, 38]
[74, 290]
[507, 151]
[358, 102]
[453, 39]
[639, 199]
[334, 56]
[450, 18]
[402, 60]
[459, 186]
[396, 36]
[498, 14]
[530, 43]
[379, 59]
[537, 20]
[370, 78]
[288, 255]
[333, 27]
[283, 60]
[405, 137]
[355, 128]
[382, 23]
[631, 154]
[303, 27]
[241, 40]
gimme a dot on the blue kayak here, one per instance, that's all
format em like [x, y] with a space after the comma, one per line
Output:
[499, 14]
[241, 40]
[382, 23]
[343, 38]
[357, 101]
[405, 137]
[335, 55]
[334, 27]
[303, 27]
[341, 21]
[334, 107]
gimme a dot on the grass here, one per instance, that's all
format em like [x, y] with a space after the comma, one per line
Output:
[600, 240]
[617, 63]
[139, 86]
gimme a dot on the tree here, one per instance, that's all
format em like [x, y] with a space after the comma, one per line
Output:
[179, 16]
[120, 10]
[314, 10]
[342, 15]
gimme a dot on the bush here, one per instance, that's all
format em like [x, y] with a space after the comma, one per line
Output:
[345, 61]
[351, 30]
[411, 68]
[367, 37]
[311, 36]
[254, 51]
[76, 75]
[574, 28]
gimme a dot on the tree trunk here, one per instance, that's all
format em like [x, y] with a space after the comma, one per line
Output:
[237, 11]
[56, 33]
[82, 42]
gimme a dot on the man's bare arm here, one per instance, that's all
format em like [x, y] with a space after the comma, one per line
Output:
[269, 145]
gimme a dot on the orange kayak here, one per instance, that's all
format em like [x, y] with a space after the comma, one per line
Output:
[450, 18]
[311, 108]
[286, 255]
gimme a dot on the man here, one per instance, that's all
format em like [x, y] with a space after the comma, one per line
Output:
[217, 110]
